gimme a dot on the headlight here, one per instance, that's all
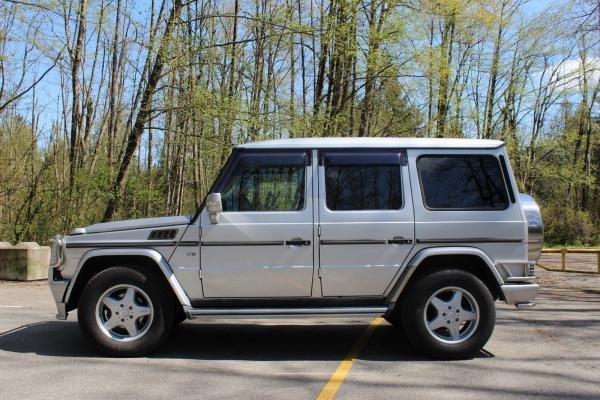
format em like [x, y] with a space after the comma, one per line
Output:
[56, 251]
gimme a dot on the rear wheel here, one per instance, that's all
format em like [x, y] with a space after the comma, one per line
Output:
[395, 319]
[449, 314]
[125, 312]
[179, 316]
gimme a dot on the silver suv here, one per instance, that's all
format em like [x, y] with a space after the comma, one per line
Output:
[426, 232]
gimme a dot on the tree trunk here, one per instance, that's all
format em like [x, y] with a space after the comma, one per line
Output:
[444, 74]
[143, 114]
[372, 64]
[114, 73]
[76, 115]
[491, 93]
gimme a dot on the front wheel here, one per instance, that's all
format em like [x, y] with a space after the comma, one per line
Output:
[125, 312]
[449, 314]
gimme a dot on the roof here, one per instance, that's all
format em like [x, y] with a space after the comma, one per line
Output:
[373, 142]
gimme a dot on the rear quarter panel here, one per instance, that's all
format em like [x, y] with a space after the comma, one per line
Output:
[502, 235]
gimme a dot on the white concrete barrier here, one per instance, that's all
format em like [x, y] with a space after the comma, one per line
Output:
[25, 261]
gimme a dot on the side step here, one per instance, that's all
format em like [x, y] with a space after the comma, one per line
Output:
[284, 312]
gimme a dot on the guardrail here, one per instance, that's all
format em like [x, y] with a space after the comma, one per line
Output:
[563, 259]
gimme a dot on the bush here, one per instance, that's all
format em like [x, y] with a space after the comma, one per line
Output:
[569, 226]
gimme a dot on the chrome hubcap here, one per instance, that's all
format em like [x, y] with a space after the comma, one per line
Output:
[451, 315]
[124, 313]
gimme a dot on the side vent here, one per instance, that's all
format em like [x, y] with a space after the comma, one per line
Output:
[163, 234]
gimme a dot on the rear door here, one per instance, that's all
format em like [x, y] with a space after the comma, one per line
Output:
[365, 220]
[262, 245]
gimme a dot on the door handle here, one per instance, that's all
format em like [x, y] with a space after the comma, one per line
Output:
[399, 240]
[297, 242]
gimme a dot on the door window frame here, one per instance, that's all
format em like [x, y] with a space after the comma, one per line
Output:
[402, 162]
[235, 161]
[225, 172]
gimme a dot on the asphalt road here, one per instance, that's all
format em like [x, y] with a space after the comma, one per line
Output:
[552, 351]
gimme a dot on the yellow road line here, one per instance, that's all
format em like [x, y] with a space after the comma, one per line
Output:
[342, 370]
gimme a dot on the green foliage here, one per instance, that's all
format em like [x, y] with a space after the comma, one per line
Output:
[292, 69]
[569, 226]
[559, 181]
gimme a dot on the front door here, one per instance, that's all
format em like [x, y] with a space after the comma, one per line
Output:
[366, 220]
[262, 245]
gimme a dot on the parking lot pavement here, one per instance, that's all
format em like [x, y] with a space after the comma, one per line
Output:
[552, 351]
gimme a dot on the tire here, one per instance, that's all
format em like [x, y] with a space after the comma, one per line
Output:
[393, 319]
[179, 317]
[432, 319]
[125, 312]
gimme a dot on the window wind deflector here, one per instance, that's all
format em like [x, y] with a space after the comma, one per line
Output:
[364, 158]
[276, 158]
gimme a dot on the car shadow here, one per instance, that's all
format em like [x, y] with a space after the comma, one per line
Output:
[230, 341]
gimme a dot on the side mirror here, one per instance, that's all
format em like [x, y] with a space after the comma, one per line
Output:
[214, 207]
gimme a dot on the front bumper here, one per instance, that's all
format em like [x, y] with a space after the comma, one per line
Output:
[520, 294]
[58, 288]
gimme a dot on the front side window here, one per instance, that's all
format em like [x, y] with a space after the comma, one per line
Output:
[462, 182]
[266, 182]
[363, 181]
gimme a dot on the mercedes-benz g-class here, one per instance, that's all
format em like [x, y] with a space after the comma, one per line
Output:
[425, 232]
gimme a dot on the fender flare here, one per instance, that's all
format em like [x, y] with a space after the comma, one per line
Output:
[152, 254]
[423, 254]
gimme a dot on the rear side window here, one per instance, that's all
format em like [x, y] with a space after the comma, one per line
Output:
[266, 182]
[462, 182]
[363, 181]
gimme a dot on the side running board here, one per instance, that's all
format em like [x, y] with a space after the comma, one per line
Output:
[284, 312]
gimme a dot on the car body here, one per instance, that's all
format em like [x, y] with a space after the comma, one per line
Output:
[319, 227]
